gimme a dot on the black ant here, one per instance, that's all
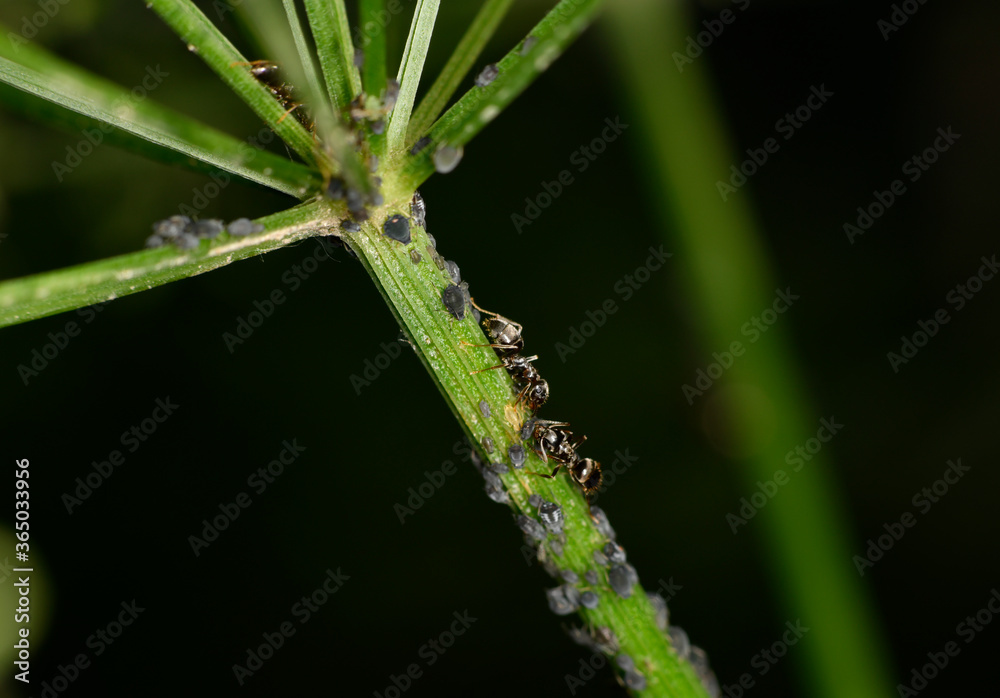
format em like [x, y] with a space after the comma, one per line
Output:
[269, 75]
[552, 440]
[507, 340]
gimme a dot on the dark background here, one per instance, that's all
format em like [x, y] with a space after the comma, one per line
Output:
[333, 507]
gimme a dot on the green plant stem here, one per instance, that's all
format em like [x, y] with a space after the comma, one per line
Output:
[461, 61]
[480, 105]
[40, 295]
[410, 70]
[730, 282]
[332, 34]
[413, 292]
[203, 37]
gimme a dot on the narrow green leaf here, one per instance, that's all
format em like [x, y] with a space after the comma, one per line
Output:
[205, 39]
[410, 69]
[332, 33]
[72, 97]
[518, 69]
[33, 297]
[466, 53]
[375, 52]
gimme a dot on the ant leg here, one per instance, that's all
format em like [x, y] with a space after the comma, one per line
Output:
[495, 346]
[287, 112]
[547, 477]
[491, 368]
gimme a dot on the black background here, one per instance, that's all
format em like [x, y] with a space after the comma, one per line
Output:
[333, 507]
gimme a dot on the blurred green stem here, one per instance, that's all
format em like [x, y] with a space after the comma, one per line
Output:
[730, 282]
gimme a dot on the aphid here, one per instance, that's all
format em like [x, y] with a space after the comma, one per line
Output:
[356, 204]
[373, 164]
[530, 527]
[591, 577]
[484, 407]
[605, 639]
[602, 523]
[446, 158]
[527, 428]
[397, 227]
[569, 576]
[241, 227]
[378, 127]
[580, 636]
[625, 661]
[171, 227]
[499, 467]
[415, 256]
[432, 244]
[589, 599]
[558, 603]
[186, 241]
[454, 301]
[572, 594]
[557, 548]
[600, 559]
[551, 515]
[516, 454]
[535, 500]
[349, 225]
[679, 641]
[439, 263]
[614, 552]
[269, 75]
[494, 488]
[336, 189]
[420, 145]
[487, 75]
[208, 228]
[359, 57]
[634, 680]
[391, 94]
[418, 211]
[659, 605]
[528, 44]
[453, 271]
[488, 444]
[622, 578]
[154, 241]
[699, 660]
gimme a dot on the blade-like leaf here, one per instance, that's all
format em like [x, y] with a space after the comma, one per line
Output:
[518, 69]
[205, 39]
[33, 297]
[410, 69]
[332, 33]
[70, 96]
[373, 71]
[466, 53]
